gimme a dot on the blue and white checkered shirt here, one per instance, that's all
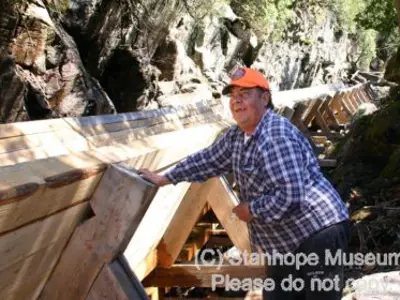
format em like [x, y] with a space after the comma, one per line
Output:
[278, 174]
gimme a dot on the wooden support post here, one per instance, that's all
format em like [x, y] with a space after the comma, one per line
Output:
[310, 113]
[197, 239]
[222, 200]
[201, 276]
[328, 115]
[297, 120]
[354, 99]
[346, 107]
[30, 253]
[357, 96]
[337, 109]
[327, 163]
[119, 203]
[187, 213]
[320, 119]
[106, 286]
[350, 103]
[153, 227]
[287, 112]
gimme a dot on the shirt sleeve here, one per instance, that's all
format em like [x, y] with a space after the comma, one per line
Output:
[212, 161]
[284, 165]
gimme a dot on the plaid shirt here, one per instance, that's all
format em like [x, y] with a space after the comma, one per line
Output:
[278, 174]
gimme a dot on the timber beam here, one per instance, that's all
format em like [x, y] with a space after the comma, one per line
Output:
[200, 276]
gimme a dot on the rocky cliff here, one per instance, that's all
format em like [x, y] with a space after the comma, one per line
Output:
[86, 57]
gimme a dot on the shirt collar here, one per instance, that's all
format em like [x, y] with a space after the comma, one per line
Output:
[260, 124]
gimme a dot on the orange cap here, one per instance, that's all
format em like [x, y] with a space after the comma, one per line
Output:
[246, 77]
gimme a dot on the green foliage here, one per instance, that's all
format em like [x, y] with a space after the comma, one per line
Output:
[267, 17]
[347, 11]
[366, 41]
[382, 17]
[57, 6]
[393, 166]
[379, 15]
[198, 9]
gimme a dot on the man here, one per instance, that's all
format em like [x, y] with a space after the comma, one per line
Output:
[287, 203]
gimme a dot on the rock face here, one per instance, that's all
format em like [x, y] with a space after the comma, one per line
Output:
[43, 66]
[65, 52]
[117, 40]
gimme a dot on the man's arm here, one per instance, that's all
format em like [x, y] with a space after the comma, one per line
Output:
[209, 162]
[284, 163]
[212, 161]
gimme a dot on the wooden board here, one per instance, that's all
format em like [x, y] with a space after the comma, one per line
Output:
[309, 114]
[58, 182]
[20, 244]
[32, 127]
[200, 276]
[17, 276]
[146, 265]
[106, 286]
[154, 225]
[187, 213]
[222, 200]
[30, 253]
[80, 134]
[119, 204]
[47, 194]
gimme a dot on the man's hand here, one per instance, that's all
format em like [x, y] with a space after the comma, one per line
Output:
[242, 211]
[159, 180]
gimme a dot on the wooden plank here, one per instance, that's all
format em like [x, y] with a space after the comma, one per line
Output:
[70, 136]
[197, 239]
[17, 157]
[319, 139]
[309, 114]
[149, 233]
[127, 280]
[59, 182]
[353, 100]
[140, 133]
[327, 163]
[106, 286]
[32, 127]
[153, 293]
[119, 204]
[348, 103]
[200, 276]
[189, 140]
[365, 94]
[346, 107]
[336, 107]
[19, 244]
[15, 278]
[31, 289]
[322, 124]
[47, 195]
[181, 111]
[146, 266]
[187, 213]
[222, 200]
[131, 121]
[54, 142]
[18, 143]
[328, 115]
[297, 120]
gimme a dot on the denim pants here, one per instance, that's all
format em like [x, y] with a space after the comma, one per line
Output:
[321, 281]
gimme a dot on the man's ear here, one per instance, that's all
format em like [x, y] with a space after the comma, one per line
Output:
[266, 97]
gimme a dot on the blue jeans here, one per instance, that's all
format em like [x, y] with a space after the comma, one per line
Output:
[322, 281]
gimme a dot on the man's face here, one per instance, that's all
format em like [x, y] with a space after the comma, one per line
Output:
[247, 107]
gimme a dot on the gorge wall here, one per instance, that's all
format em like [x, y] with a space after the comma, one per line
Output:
[86, 57]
